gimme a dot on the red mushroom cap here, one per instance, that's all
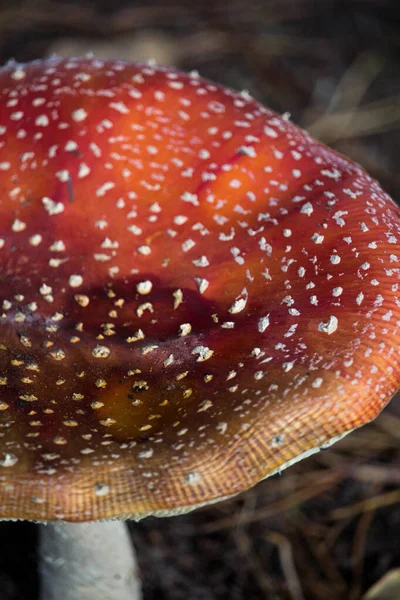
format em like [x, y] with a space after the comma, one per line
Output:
[194, 292]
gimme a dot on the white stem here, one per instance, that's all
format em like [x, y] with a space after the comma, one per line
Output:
[90, 561]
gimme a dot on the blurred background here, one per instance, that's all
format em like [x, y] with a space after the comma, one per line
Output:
[328, 528]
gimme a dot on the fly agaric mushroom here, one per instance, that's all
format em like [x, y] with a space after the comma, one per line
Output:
[195, 294]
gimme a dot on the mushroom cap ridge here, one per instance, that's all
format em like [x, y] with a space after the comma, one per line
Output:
[194, 293]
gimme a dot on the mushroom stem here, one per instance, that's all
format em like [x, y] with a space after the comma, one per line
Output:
[94, 561]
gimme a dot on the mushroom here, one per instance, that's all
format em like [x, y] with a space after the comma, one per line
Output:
[195, 295]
